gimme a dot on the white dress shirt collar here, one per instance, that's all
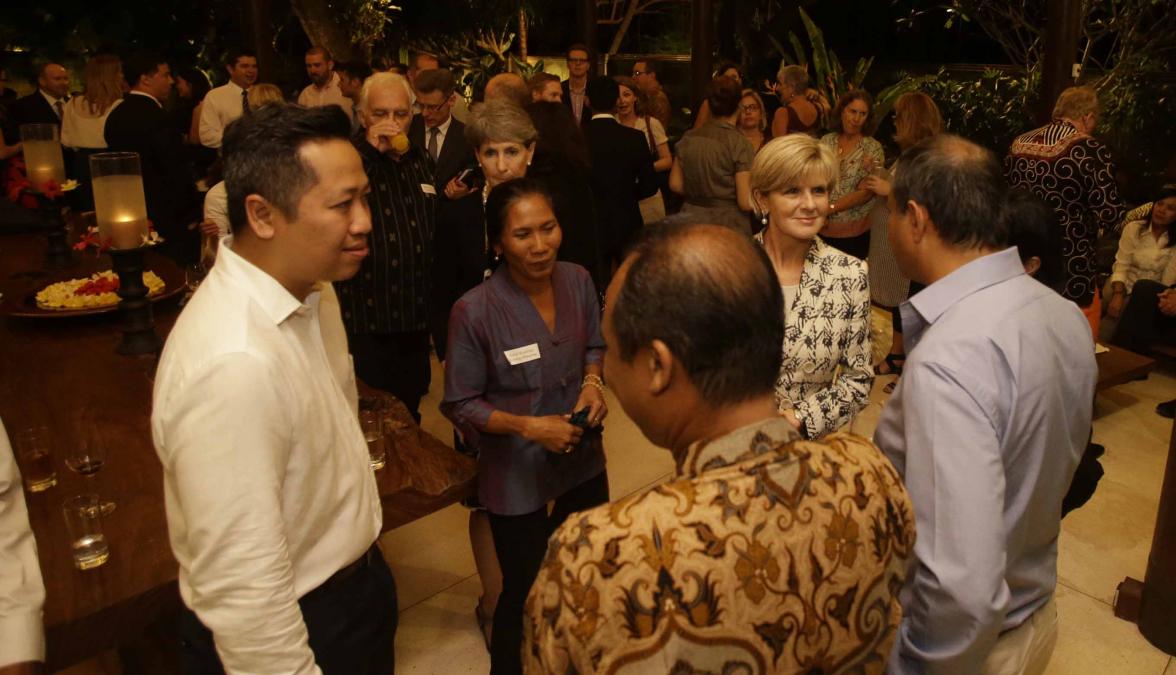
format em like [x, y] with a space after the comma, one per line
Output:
[277, 302]
[601, 116]
[143, 93]
[53, 99]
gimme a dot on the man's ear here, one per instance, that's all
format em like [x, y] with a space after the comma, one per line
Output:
[261, 216]
[920, 221]
[1032, 265]
[661, 366]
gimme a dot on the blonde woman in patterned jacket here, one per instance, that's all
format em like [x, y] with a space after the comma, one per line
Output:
[826, 374]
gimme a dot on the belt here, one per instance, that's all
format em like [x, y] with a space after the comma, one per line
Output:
[368, 559]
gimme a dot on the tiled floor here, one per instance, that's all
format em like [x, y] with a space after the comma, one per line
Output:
[1100, 544]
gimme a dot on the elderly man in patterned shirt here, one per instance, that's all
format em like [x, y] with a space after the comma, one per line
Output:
[764, 552]
[1065, 166]
[385, 306]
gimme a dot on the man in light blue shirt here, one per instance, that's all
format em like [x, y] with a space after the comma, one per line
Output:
[987, 425]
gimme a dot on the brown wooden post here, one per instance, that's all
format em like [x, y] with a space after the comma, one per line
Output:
[1063, 28]
[258, 33]
[701, 45]
[1152, 604]
[586, 22]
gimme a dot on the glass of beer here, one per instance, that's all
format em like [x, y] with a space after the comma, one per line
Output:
[83, 519]
[372, 423]
[32, 449]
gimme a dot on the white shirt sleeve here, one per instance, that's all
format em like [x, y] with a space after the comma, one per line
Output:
[1124, 257]
[22, 592]
[227, 451]
[216, 208]
[211, 127]
[659, 132]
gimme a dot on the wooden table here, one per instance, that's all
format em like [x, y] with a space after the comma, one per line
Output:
[63, 373]
[1119, 366]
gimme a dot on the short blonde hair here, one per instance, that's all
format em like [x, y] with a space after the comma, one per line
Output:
[1074, 102]
[794, 77]
[381, 81]
[261, 94]
[499, 121]
[763, 112]
[787, 160]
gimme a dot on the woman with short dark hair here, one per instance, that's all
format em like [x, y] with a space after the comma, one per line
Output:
[523, 386]
[859, 155]
[713, 167]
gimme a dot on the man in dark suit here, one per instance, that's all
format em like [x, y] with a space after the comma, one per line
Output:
[575, 95]
[141, 125]
[44, 106]
[458, 260]
[622, 169]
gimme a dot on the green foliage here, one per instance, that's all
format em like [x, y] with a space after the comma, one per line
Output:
[476, 56]
[991, 108]
[827, 74]
[369, 20]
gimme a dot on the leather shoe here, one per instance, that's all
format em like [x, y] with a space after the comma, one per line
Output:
[1167, 409]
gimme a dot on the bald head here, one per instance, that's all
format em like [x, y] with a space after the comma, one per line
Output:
[53, 79]
[508, 86]
[710, 294]
[961, 186]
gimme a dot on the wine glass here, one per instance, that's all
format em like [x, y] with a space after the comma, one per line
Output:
[87, 459]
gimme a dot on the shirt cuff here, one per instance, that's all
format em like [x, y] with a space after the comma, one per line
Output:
[24, 638]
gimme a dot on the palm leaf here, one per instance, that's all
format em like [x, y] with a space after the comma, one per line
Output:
[797, 49]
[821, 67]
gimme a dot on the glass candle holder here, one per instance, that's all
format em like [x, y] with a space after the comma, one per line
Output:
[119, 205]
[42, 154]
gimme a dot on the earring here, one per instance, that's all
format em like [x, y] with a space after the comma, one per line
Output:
[764, 220]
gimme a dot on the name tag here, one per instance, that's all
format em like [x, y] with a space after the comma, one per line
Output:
[522, 354]
[428, 189]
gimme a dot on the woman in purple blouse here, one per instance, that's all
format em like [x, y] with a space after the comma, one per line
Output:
[523, 387]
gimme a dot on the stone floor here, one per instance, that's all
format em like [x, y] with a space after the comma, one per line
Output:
[1101, 543]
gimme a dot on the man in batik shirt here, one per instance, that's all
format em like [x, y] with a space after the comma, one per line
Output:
[764, 553]
[1072, 172]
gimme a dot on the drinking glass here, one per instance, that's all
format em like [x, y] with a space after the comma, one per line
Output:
[32, 449]
[83, 520]
[372, 423]
[194, 275]
[87, 459]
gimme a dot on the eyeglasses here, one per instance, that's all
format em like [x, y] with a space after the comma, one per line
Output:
[750, 107]
[637, 73]
[425, 107]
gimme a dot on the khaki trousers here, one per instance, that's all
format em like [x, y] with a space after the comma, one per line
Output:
[1025, 650]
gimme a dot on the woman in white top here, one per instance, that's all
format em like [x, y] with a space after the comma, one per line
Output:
[1147, 250]
[631, 113]
[84, 117]
[825, 376]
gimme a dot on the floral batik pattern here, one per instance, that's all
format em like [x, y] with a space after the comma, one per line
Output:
[765, 554]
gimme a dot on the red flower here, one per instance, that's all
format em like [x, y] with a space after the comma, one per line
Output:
[52, 189]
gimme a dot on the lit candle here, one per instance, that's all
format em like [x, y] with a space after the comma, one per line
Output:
[119, 205]
[126, 230]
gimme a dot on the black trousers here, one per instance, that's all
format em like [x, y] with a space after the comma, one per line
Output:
[397, 363]
[351, 619]
[1142, 324]
[521, 544]
[858, 247]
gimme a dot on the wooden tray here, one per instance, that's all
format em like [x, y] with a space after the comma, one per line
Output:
[26, 307]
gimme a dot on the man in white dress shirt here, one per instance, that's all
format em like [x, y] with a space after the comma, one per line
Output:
[229, 101]
[324, 82]
[272, 508]
[22, 593]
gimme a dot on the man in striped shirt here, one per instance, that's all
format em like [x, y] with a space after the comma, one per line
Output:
[385, 306]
